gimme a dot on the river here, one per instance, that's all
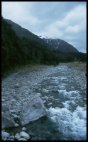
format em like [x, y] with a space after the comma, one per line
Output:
[63, 91]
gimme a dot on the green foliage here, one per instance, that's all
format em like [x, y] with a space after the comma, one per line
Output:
[21, 51]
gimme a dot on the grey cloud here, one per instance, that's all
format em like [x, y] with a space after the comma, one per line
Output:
[65, 20]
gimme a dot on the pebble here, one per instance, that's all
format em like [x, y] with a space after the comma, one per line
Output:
[3, 100]
[45, 90]
[39, 94]
[13, 111]
[50, 104]
[45, 97]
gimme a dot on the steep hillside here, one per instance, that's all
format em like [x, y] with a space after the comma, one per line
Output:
[20, 49]
[60, 45]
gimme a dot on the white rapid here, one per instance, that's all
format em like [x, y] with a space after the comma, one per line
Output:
[63, 91]
[66, 102]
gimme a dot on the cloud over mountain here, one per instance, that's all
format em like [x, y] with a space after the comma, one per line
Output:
[65, 20]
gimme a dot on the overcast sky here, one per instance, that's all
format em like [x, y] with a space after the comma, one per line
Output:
[64, 20]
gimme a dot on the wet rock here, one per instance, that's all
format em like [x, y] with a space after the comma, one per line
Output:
[45, 98]
[3, 100]
[44, 101]
[5, 135]
[24, 135]
[16, 124]
[13, 111]
[16, 85]
[24, 129]
[15, 116]
[17, 136]
[39, 94]
[11, 138]
[45, 90]
[32, 110]
[50, 104]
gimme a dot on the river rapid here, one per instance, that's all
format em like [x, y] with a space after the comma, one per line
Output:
[63, 91]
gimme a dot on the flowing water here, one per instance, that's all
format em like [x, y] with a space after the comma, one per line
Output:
[64, 95]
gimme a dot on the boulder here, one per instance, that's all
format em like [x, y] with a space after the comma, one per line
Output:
[24, 135]
[32, 110]
[5, 135]
[17, 136]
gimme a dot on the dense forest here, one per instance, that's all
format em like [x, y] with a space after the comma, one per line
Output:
[18, 51]
[21, 51]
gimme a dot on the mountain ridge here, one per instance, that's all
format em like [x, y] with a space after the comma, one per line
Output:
[60, 45]
[21, 47]
[52, 43]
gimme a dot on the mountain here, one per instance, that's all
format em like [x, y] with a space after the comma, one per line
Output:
[24, 33]
[21, 47]
[55, 44]
[60, 45]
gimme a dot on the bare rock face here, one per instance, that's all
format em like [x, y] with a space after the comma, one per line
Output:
[33, 110]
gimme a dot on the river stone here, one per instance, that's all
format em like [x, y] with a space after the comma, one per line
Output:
[32, 110]
[16, 124]
[17, 136]
[45, 90]
[16, 85]
[39, 94]
[24, 129]
[11, 138]
[24, 135]
[3, 100]
[5, 135]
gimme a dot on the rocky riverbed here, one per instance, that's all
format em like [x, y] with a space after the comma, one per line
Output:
[37, 101]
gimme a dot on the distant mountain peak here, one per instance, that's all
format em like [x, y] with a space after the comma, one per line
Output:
[60, 45]
[54, 44]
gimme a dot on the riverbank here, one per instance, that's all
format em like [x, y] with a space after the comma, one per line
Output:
[45, 84]
[77, 65]
[20, 104]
